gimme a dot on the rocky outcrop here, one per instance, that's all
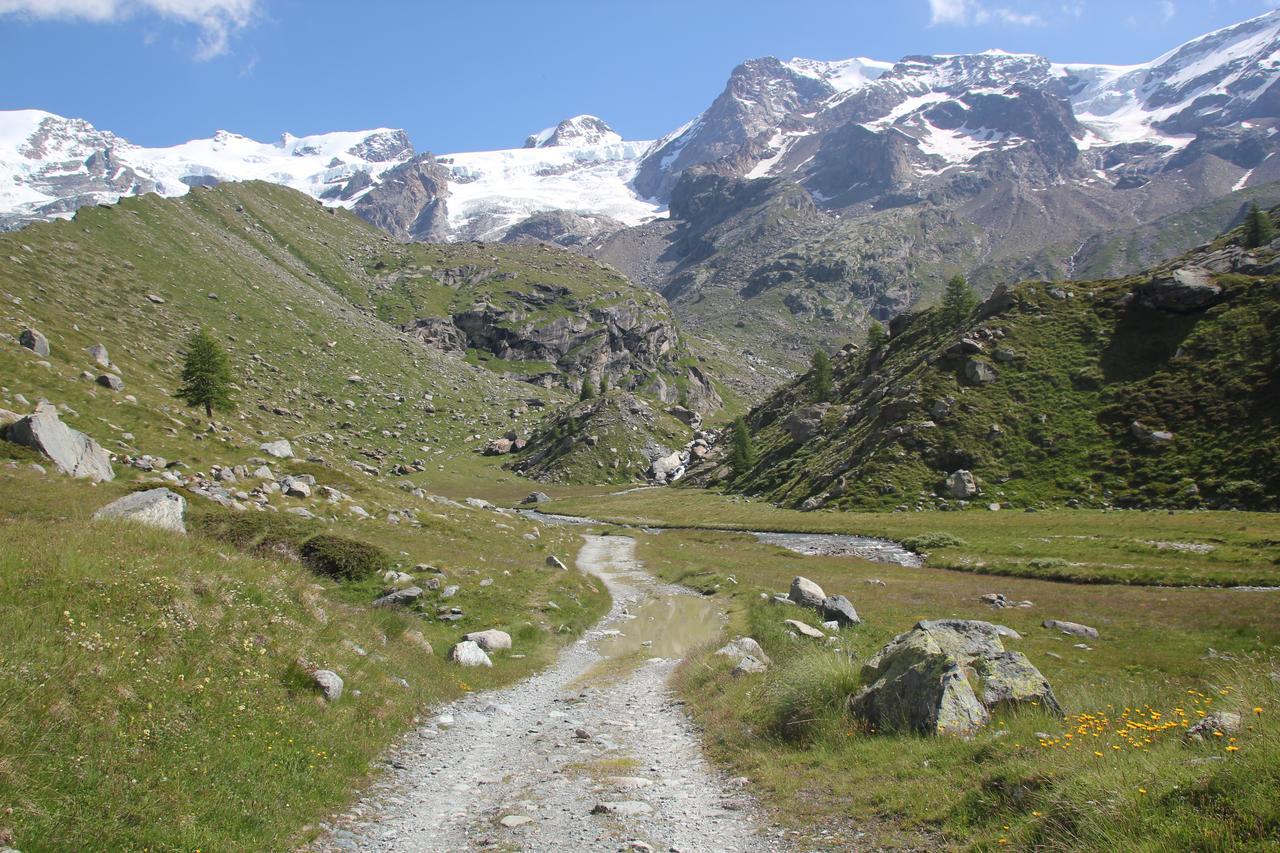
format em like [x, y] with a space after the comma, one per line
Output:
[71, 451]
[562, 228]
[1186, 291]
[946, 677]
[410, 202]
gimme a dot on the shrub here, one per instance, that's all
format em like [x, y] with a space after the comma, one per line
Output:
[808, 690]
[930, 541]
[1047, 563]
[343, 559]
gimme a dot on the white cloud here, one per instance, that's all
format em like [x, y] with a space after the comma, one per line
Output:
[964, 13]
[1168, 9]
[217, 19]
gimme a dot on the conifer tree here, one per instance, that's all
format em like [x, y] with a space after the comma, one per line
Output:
[958, 301]
[587, 391]
[742, 452]
[876, 336]
[1258, 229]
[821, 370]
[604, 385]
[206, 374]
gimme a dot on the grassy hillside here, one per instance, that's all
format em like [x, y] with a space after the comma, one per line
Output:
[1080, 377]
[156, 684]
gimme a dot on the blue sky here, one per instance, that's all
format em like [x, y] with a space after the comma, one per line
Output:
[470, 76]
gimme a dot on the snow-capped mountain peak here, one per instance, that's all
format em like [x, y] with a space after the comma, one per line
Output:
[579, 130]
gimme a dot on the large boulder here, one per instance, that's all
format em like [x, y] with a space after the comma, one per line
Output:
[34, 341]
[71, 451]
[804, 424]
[806, 593]
[744, 647]
[154, 507]
[838, 609]
[399, 597]
[962, 484]
[924, 680]
[98, 353]
[979, 372]
[1186, 291]
[280, 448]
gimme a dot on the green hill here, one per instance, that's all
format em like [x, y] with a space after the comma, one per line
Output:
[1079, 393]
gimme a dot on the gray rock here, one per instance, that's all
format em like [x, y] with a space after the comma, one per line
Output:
[154, 508]
[295, 487]
[807, 593]
[491, 641]
[747, 665]
[1075, 629]
[555, 562]
[1226, 722]
[468, 653]
[280, 448]
[329, 682]
[625, 808]
[399, 597]
[98, 353]
[744, 647]
[34, 341]
[513, 821]
[919, 682]
[804, 629]
[536, 498]
[449, 592]
[840, 610]
[1187, 291]
[1149, 436]
[962, 484]
[71, 451]
[979, 372]
[111, 381]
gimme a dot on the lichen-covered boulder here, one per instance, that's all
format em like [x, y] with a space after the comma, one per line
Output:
[154, 507]
[945, 677]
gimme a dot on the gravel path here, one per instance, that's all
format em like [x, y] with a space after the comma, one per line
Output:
[584, 756]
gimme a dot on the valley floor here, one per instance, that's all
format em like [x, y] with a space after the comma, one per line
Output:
[595, 753]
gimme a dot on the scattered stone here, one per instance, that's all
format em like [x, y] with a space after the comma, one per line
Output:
[98, 353]
[514, 821]
[1075, 629]
[111, 381]
[34, 341]
[624, 808]
[748, 665]
[536, 498]
[491, 641]
[1208, 727]
[71, 451]
[979, 372]
[805, 629]
[154, 508]
[744, 646]
[555, 562]
[449, 592]
[329, 682]
[399, 597]
[468, 653]
[807, 593]
[154, 299]
[840, 610]
[280, 449]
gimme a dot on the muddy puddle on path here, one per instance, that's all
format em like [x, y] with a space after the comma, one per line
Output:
[669, 626]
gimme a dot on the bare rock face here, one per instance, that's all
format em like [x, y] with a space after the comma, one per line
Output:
[154, 508]
[1187, 291]
[923, 681]
[410, 202]
[71, 451]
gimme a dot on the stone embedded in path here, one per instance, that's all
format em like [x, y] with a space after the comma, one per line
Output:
[624, 808]
[491, 641]
[468, 653]
[805, 629]
[280, 448]
[807, 593]
[839, 609]
[1075, 629]
[72, 451]
[34, 341]
[329, 682]
[512, 821]
[923, 681]
[154, 507]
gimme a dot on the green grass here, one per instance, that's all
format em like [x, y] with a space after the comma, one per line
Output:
[1081, 546]
[813, 767]
[152, 697]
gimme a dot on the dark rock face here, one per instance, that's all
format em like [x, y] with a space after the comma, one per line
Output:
[1186, 291]
[438, 333]
[410, 203]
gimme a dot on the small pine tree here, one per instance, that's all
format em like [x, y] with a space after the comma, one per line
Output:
[206, 374]
[587, 392]
[958, 301]
[823, 388]
[876, 336]
[604, 385]
[1258, 229]
[742, 452]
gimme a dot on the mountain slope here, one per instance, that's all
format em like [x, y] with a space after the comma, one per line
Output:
[1154, 390]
